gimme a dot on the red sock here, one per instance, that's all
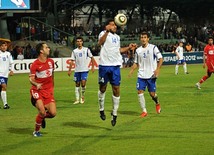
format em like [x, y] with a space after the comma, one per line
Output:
[203, 79]
[38, 124]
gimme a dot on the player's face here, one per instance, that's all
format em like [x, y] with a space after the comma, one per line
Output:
[79, 42]
[210, 41]
[144, 40]
[46, 50]
[113, 27]
[3, 47]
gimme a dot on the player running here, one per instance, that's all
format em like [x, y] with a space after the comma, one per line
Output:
[42, 90]
[208, 60]
[149, 60]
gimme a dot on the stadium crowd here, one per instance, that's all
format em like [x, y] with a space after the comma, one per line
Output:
[193, 37]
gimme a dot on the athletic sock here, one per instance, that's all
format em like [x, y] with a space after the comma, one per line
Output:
[4, 97]
[176, 69]
[116, 102]
[204, 78]
[83, 91]
[142, 102]
[38, 123]
[185, 68]
[77, 93]
[101, 99]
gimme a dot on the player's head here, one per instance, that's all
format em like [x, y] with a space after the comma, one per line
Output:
[110, 25]
[42, 48]
[144, 38]
[79, 41]
[210, 40]
[3, 46]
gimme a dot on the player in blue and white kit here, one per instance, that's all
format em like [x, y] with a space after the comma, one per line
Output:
[109, 67]
[79, 58]
[6, 68]
[180, 58]
[148, 59]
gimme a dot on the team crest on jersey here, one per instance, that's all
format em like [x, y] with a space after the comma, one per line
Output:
[211, 52]
[50, 64]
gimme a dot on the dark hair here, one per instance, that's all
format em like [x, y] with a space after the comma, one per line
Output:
[109, 21]
[210, 37]
[79, 37]
[39, 47]
[145, 33]
[3, 42]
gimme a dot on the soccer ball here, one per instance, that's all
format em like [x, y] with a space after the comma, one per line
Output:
[120, 19]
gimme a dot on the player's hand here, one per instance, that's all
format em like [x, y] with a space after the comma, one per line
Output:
[204, 65]
[108, 27]
[69, 73]
[11, 73]
[92, 69]
[132, 46]
[39, 86]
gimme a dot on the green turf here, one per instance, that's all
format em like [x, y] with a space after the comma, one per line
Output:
[185, 126]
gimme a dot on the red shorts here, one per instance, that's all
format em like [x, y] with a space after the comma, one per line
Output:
[45, 95]
[210, 67]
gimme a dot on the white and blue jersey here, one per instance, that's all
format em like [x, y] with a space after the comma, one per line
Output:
[6, 62]
[110, 51]
[180, 51]
[81, 58]
[146, 58]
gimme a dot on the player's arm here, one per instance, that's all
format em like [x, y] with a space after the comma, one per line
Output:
[176, 53]
[134, 66]
[131, 46]
[33, 81]
[159, 64]
[92, 62]
[204, 58]
[70, 67]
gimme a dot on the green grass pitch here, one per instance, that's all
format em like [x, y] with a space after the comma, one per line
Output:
[185, 126]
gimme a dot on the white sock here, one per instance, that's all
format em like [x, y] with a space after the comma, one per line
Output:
[116, 102]
[77, 93]
[4, 97]
[176, 69]
[185, 67]
[101, 99]
[142, 102]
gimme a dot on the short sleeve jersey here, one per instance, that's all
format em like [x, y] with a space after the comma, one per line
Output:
[180, 51]
[81, 56]
[43, 73]
[110, 51]
[147, 58]
[209, 53]
[6, 60]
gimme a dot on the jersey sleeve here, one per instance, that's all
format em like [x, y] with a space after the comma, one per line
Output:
[157, 52]
[89, 54]
[101, 34]
[72, 55]
[205, 50]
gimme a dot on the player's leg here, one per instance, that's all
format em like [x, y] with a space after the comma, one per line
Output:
[203, 79]
[185, 67]
[152, 93]
[141, 86]
[40, 116]
[176, 67]
[103, 80]
[4, 92]
[50, 110]
[115, 79]
[84, 76]
[77, 79]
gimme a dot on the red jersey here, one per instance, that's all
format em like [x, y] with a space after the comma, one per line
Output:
[43, 73]
[209, 54]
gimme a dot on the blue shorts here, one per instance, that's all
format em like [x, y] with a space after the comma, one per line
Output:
[109, 74]
[149, 83]
[3, 80]
[79, 76]
[180, 61]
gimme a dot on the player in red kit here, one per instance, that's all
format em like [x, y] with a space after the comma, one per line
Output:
[42, 90]
[208, 61]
